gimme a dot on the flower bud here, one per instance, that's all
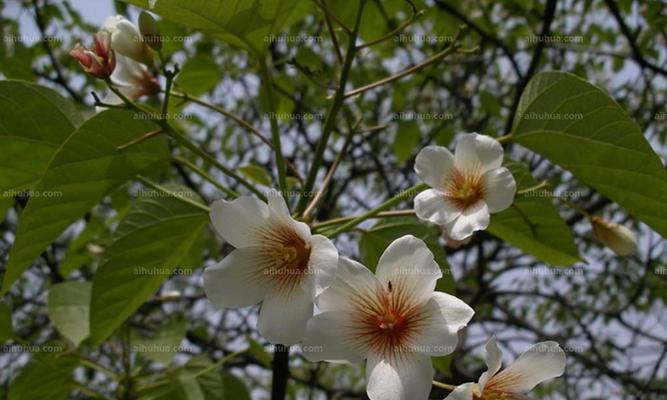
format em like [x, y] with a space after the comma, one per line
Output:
[150, 31]
[618, 238]
[127, 40]
[100, 61]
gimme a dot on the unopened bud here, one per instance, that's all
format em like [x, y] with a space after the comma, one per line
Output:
[150, 31]
[618, 238]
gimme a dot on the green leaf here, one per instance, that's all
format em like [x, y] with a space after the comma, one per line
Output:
[148, 246]
[259, 352]
[249, 24]
[256, 174]
[199, 75]
[86, 168]
[234, 387]
[68, 308]
[35, 122]
[604, 148]
[533, 224]
[164, 344]
[46, 377]
[210, 382]
[407, 140]
[375, 241]
[6, 331]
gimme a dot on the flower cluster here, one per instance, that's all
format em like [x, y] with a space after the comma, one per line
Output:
[392, 319]
[121, 56]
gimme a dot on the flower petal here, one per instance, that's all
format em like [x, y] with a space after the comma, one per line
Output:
[326, 338]
[462, 392]
[432, 206]
[409, 264]
[545, 360]
[499, 189]
[240, 220]
[277, 206]
[447, 315]
[473, 219]
[407, 377]
[322, 266]
[229, 283]
[433, 164]
[494, 360]
[351, 278]
[282, 319]
[478, 152]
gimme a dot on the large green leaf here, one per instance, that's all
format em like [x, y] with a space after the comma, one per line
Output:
[47, 377]
[249, 24]
[148, 246]
[604, 148]
[68, 307]
[35, 121]
[6, 331]
[375, 241]
[86, 168]
[532, 223]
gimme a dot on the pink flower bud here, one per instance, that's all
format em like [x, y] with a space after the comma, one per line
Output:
[100, 61]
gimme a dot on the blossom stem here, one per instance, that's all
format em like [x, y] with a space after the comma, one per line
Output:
[330, 173]
[394, 32]
[336, 221]
[534, 188]
[409, 71]
[168, 192]
[205, 176]
[336, 105]
[183, 141]
[280, 372]
[398, 198]
[240, 121]
[443, 385]
[265, 72]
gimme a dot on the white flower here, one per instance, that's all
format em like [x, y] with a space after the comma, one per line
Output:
[126, 39]
[393, 319]
[466, 186]
[617, 237]
[276, 261]
[132, 79]
[543, 361]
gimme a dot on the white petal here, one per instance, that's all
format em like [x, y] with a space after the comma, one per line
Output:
[240, 220]
[499, 189]
[433, 164]
[545, 360]
[322, 266]
[407, 377]
[409, 264]
[282, 319]
[446, 316]
[431, 205]
[462, 392]
[326, 338]
[480, 152]
[494, 360]
[351, 278]
[277, 206]
[473, 219]
[230, 282]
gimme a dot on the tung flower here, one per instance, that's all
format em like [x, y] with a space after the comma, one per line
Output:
[100, 61]
[617, 237]
[126, 39]
[133, 80]
[466, 186]
[393, 319]
[543, 361]
[277, 262]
